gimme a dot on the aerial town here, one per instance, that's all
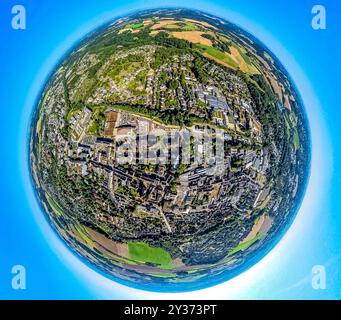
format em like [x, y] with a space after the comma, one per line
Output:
[168, 134]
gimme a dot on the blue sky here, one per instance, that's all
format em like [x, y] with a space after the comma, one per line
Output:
[310, 56]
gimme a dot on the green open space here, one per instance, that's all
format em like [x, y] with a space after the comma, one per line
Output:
[98, 121]
[54, 205]
[81, 231]
[217, 54]
[189, 27]
[143, 252]
[135, 26]
[245, 245]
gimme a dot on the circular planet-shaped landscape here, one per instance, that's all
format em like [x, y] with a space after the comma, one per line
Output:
[170, 150]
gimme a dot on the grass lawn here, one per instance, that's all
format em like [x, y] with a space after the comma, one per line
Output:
[143, 252]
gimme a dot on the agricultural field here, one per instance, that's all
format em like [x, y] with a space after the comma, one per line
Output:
[145, 253]
[218, 56]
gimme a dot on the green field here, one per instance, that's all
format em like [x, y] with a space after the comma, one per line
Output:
[56, 208]
[244, 55]
[251, 68]
[217, 54]
[135, 26]
[81, 231]
[189, 27]
[143, 252]
[245, 245]
[224, 39]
